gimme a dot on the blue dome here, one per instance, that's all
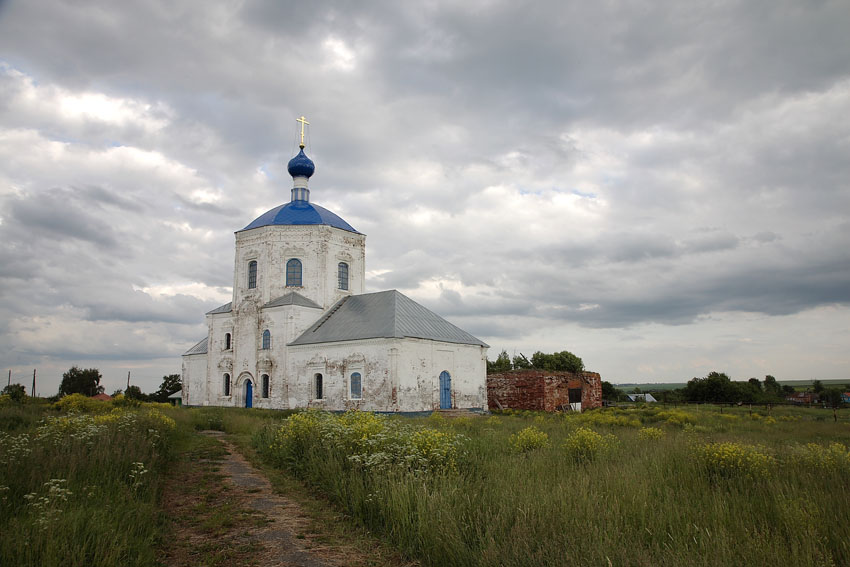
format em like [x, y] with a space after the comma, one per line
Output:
[301, 165]
[300, 212]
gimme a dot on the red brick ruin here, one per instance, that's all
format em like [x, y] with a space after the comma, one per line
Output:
[543, 390]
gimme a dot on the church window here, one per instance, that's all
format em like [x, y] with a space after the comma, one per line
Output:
[226, 384]
[265, 384]
[252, 274]
[318, 386]
[342, 272]
[227, 344]
[293, 273]
[267, 340]
[356, 386]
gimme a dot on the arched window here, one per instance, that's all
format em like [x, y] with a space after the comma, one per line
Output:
[252, 274]
[293, 273]
[342, 275]
[267, 340]
[265, 384]
[226, 384]
[356, 386]
[318, 379]
[227, 344]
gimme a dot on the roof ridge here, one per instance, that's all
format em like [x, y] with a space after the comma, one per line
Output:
[330, 312]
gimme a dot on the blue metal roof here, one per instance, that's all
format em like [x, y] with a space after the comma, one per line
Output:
[300, 212]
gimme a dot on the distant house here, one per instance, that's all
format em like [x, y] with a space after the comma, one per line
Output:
[176, 399]
[648, 398]
[102, 397]
[802, 398]
[845, 397]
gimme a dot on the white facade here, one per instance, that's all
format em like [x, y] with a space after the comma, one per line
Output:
[376, 352]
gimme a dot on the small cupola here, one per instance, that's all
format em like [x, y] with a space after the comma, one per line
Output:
[301, 168]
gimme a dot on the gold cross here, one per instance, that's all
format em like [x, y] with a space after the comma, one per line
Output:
[303, 122]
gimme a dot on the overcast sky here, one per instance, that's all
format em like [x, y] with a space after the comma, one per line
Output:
[662, 188]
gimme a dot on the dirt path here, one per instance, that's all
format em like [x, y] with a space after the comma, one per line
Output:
[223, 511]
[285, 540]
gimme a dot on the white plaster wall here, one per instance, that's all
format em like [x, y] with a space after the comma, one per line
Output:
[420, 364]
[319, 248]
[194, 379]
[336, 362]
[397, 374]
[285, 323]
[220, 361]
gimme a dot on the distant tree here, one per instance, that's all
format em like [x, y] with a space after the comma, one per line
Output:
[135, 393]
[771, 386]
[755, 384]
[521, 362]
[78, 381]
[716, 387]
[501, 364]
[832, 397]
[786, 390]
[170, 384]
[610, 392]
[673, 396]
[817, 387]
[117, 393]
[16, 392]
[564, 360]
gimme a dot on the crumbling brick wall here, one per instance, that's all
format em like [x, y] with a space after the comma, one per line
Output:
[542, 390]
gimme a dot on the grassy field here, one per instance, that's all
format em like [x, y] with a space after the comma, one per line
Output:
[80, 482]
[639, 486]
[644, 486]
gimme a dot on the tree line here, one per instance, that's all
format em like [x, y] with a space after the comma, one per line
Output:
[87, 382]
[717, 387]
[558, 361]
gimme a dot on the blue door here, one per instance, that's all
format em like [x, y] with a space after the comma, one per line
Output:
[249, 394]
[445, 390]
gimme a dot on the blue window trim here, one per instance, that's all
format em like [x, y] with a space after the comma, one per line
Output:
[293, 273]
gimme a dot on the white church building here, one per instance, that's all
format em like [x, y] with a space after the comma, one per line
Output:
[300, 331]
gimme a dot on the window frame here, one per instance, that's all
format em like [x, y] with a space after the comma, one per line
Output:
[253, 268]
[318, 386]
[267, 340]
[290, 273]
[226, 384]
[343, 280]
[265, 385]
[228, 341]
[351, 395]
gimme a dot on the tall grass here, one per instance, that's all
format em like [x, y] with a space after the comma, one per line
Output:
[80, 486]
[702, 488]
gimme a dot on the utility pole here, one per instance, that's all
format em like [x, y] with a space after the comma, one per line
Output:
[33, 383]
[10, 377]
[128, 380]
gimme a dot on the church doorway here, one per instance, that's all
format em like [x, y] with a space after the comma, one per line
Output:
[445, 390]
[249, 394]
